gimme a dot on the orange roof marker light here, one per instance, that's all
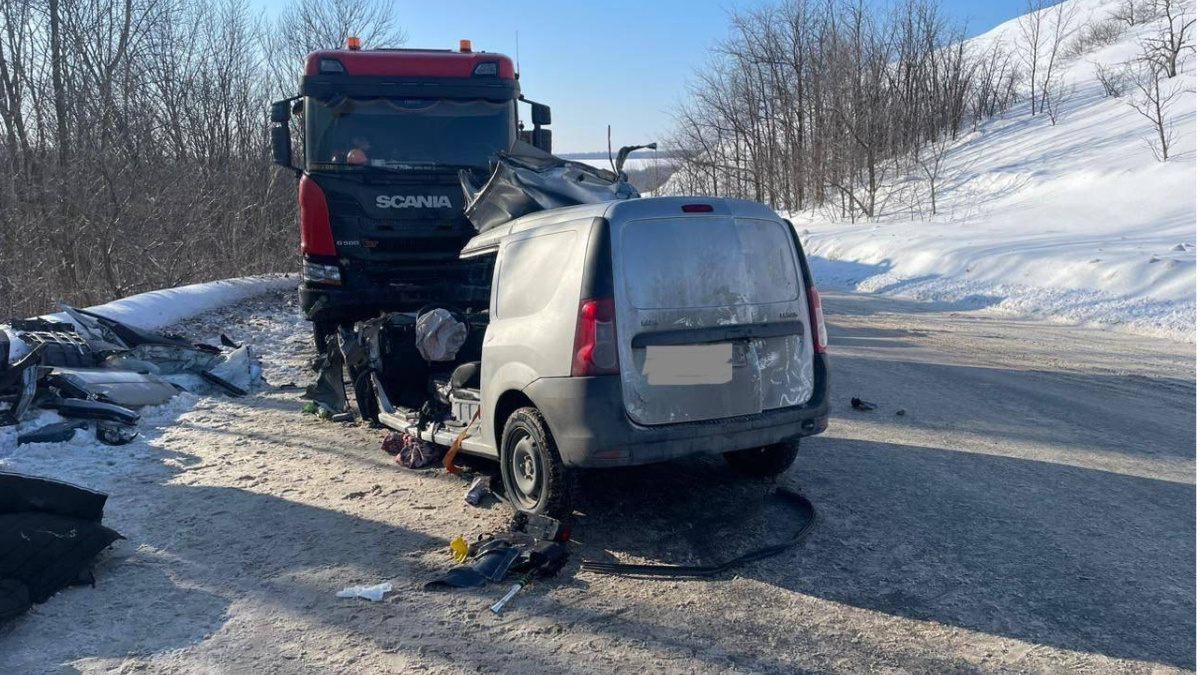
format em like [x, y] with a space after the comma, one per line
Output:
[353, 44]
[464, 46]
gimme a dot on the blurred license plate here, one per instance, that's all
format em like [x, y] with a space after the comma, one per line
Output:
[689, 364]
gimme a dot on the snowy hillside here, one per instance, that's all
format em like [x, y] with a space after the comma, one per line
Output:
[1077, 220]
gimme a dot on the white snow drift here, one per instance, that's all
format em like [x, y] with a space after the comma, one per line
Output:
[157, 309]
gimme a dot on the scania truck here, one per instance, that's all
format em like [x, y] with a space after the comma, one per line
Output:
[384, 134]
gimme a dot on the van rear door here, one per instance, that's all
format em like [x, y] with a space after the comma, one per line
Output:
[712, 316]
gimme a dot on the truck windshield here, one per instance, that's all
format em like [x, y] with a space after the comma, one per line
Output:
[406, 133]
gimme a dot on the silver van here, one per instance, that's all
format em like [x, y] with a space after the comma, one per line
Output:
[631, 332]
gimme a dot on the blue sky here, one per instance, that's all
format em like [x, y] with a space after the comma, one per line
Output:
[619, 62]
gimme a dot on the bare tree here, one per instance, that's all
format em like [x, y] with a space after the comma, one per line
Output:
[1114, 80]
[822, 104]
[134, 147]
[1176, 20]
[308, 25]
[1096, 34]
[932, 162]
[1134, 12]
[1056, 92]
[1032, 36]
[1059, 28]
[1153, 100]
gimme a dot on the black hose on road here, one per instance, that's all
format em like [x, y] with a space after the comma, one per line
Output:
[795, 499]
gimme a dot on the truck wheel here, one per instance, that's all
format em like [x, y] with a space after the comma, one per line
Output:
[322, 330]
[764, 462]
[535, 479]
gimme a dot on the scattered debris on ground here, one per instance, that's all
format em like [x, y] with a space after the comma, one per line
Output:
[859, 404]
[411, 452]
[96, 372]
[373, 593]
[533, 547]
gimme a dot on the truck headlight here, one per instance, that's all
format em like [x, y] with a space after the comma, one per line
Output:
[322, 274]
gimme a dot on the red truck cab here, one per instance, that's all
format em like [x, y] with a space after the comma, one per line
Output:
[384, 135]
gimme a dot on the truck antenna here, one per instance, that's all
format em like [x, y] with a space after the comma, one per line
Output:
[518, 37]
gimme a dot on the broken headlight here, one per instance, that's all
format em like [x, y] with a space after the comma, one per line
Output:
[322, 274]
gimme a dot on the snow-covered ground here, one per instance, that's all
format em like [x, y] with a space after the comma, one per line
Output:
[1074, 221]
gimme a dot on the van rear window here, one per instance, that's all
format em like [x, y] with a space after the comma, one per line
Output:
[692, 262]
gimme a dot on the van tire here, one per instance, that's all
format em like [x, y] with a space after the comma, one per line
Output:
[535, 480]
[764, 462]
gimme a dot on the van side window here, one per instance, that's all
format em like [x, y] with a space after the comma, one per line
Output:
[530, 270]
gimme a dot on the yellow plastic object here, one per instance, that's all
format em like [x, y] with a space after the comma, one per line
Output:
[459, 549]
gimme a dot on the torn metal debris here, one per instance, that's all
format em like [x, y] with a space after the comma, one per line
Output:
[526, 179]
[97, 372]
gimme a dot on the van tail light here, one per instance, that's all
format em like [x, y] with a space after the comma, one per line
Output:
[595, 339]
[316, 238]
[817, 318]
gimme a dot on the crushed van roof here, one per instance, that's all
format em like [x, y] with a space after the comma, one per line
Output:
[628, 209]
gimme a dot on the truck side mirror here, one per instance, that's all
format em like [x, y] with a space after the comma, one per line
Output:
[281, 145]
[281, 135]
[541, 139]
[281, 112]
[540, 114]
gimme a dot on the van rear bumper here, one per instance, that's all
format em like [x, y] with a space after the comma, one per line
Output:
[588, 419]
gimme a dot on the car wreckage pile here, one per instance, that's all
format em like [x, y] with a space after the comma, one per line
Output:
[86, 372]
[96, 372]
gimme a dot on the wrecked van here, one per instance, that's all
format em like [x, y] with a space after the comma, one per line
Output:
[618, 333]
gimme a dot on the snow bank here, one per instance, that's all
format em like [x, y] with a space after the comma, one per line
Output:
[157, 309]
[1075, 221]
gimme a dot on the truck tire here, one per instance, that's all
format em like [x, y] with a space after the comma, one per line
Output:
[535, 480]
[764, 462]
[322, 330]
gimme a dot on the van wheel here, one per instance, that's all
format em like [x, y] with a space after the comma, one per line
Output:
[535, 479]
[770, 460]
